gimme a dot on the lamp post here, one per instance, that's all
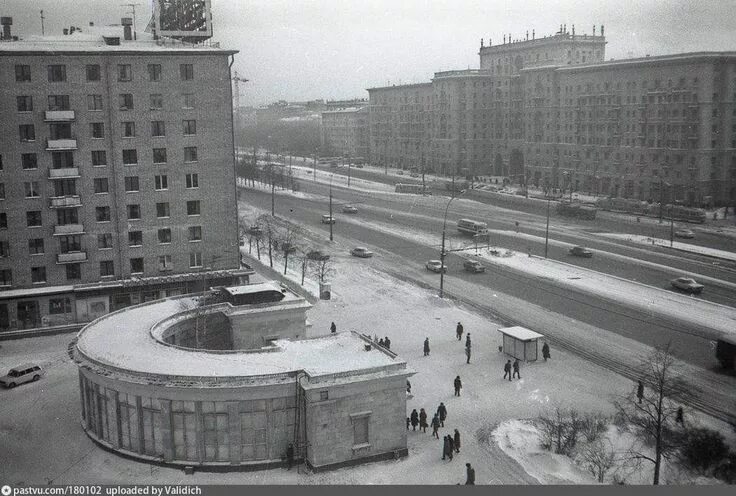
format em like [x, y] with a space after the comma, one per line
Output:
[332, 221]
[314, 173]
[442, 252]
[546, 232]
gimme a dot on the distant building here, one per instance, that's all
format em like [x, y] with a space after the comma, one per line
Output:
[345, 133]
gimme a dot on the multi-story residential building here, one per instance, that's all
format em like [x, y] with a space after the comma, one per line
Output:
[116, 173]
[344, 132]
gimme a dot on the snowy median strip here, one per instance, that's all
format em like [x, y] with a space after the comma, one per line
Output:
[648, 240]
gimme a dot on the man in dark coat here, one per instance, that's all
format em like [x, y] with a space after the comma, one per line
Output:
[435, 426]
[507, 370]
[333, 328]
[680, 416]
[467, 354]
[445, 447]
[290, 456]
[516, 369]
[423, 420]
[640, 391]
[408, 421]
[458, 386]
[470, 475]
[451, 446]
[545, 351]
[387, 342]
[442, 413]
[457, 441]
[381, 342]
[459, 331]
[467, 341]
[414, 419]
[426, 346]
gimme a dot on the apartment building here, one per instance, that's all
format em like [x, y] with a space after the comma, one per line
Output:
[116, 173]
[344, 132]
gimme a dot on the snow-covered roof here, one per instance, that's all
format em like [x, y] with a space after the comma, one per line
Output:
[520, 333]
[255, 288]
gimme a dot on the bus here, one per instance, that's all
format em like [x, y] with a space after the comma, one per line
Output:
[469, 226]
[417, 189]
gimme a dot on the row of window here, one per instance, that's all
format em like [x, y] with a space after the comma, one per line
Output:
[57, 72]
[27, 132]
[65, 159]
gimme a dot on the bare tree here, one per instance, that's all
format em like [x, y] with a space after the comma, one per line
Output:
[323, 269]
[289, 237]
[652, 416]
[599, 458]
[269, 231]
[560, 431]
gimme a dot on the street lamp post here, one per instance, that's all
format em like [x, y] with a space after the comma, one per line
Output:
[442, 252]
[546, 232]
[332, 221]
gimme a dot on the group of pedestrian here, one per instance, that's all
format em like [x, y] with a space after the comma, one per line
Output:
[507, 369]
[417, 420]
[459, 334]
[385, 343]
[450, 445]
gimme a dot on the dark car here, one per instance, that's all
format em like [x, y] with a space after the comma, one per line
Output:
[687, 284]
[361, 252]
[581, 251]
[473, 266]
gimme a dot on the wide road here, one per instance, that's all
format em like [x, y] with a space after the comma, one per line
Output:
[425, 214]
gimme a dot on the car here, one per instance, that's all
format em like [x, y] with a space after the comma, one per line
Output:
[326, 219]
[684, 233]
[317, 255]
[349, 209]
[359, 166]
[687, 284]
[473, 266]
[28, 372]
[436, 266]
[581, 251]
[401, 172]
[362, 252]
[413, 174]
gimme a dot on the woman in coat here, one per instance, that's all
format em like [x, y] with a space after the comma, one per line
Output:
[414, 419]
[457, 441]
[423, 420]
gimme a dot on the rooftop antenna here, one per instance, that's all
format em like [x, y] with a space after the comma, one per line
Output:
[42, 29]
[132, 7]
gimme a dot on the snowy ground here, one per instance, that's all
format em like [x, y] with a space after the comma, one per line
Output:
[677, 245]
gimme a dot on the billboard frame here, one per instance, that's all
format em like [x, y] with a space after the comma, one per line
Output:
[207, 33]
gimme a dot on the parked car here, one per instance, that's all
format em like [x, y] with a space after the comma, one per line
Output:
[684, 233]
[23, 373]
[581, 251]
[317, 255]
[473, 266]
[326, 219]
[361, 252]
[349, 209]
[436, 266]
[687, 284]
[359, 166]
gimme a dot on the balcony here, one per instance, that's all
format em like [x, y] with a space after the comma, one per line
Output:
[71, 257]
[66, 201]
[61, 144]
[59, 116]
[64, 173]
[67, 229]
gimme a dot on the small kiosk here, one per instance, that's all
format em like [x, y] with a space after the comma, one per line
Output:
[520, 343]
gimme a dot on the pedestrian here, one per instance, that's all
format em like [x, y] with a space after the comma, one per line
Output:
[426, 346]
[507, 370]
[387, 342]
[516, 369]
[640, 391]
[414, 419]
[408, 386]
[545, 351]
[290, 456]
[470, 475]
[517, 226]
[451, 447]
[467, 354]
[680, 417]
[381, 343]
[333, 328]
[435, 426]
[408, 422]
[457, 441]
[458, 386]
[467, 341]
[445, 447]
[459, 331]
[423, 420]
[442, 413]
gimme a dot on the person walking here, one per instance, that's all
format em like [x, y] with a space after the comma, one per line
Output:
[680, 416]
[381, 343]
[451, 447]
[442, 413]
[445, 447]
[423, 420]
[467, 354]
[467, 341]
[435, 426]
[640, 391]
[426, 346]
[457, 441]
[414, 419]
[333, 328]
[458, 385]
[387, 342]
[459, 331]
[408, 422]
[469, 475]
[516, 369]
[545, 351]
[507, 370]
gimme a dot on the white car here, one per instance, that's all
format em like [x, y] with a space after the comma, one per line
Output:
[436, 266]
[29, 372]
[684, 233]
[361, 252]
[326, 219]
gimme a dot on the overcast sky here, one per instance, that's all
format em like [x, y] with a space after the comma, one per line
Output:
[334, 49]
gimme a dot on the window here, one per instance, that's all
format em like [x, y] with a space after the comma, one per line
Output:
[35, 246]
[73, 271]
[62, 160]
[190, 154]
[104, 241]
[58, 102]
[6, 277]
[27, 132]
[22, 73]
[131, 184]
[60, 130]
[24, 103]
[156, 101]
[189, 127]
[159, 155]
[57, 73]
[29, 161]
[38, 274]
[324, 395]
[101, 185]
[94, 102]
[195, 259]
[107, 268]
[125, 73]
[99, 158]
[186, 71]
[4, 249]
[134, 211]
[164, 262]
[136, 265]
[3, 220]
[66, 216]
[158, 128]
[161, 182]
[93, 72]
[195, 233]
[1, 162]
[193, 207]
[162, 210]
[192, 180]
[154, 72]
[130, 157]
[128, 129]
[33, 218]
[68, 244]
[102, 214]
[32, 190]
[360, 429]
[126, 101]
[2, 191]
[135, 238]
[188, 100]
[97, 130]
[164, 236]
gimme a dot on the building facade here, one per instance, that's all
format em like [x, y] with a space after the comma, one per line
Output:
[116, 174]
[344, 132]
